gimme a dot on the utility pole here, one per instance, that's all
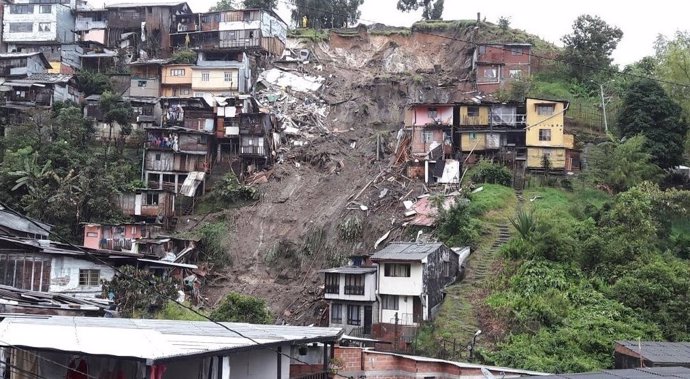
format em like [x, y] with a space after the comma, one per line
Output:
[603, 108]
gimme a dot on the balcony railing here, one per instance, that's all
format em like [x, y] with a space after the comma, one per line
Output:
[332, 288]
[354, 290]
[253, 150]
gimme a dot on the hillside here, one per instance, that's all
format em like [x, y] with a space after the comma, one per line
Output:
[309, 215]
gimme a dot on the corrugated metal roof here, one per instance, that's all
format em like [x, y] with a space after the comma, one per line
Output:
[192, 182]
[146, 4]
[22, 224]
[638, 373]
[660, 352]
[349, 270]
[406, 251]
[149, 339]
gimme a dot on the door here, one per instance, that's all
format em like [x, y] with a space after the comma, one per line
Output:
[367, 319]
[417, 310]
[137, 204]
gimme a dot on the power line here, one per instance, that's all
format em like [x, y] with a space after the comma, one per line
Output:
[118, 271]
[475, 44]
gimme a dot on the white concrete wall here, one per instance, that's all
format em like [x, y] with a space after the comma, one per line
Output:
[405, 311]
[64, 276]
[369, 289]
[412, 286]
[259, 364]
[34, 18]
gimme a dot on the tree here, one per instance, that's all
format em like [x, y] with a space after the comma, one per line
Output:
[242, 308]
[116, 111]
[261, 4]
[621, 166]
[649, 111]
[432, 9]
[93, 83]
[326, 13]
[504, 23]
[588, 49]
[223, 5]
[673, 65]
[138, 292]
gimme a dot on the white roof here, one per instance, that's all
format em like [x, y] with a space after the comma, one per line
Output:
[151, 340]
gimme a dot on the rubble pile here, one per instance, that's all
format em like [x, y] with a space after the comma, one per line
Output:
[293, 98]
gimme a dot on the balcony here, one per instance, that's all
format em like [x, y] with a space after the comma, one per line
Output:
[86, 25]
[354, 290]
[253, 150]
[333, 288]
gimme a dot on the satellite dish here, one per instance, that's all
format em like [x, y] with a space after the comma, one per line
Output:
[487, 374]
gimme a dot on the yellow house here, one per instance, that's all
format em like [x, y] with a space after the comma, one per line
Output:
[221, 78]
[176, 80]
[545, 135]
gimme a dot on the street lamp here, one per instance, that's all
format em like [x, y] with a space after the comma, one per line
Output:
[474, 341]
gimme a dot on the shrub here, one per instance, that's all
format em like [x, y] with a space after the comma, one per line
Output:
[230, 190]
[242, 308]
[139, 292]
[211, 244]
[487, 172]
[457, 227]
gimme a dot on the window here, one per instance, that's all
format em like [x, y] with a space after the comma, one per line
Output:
[336, 313]
[177, 72]
[151, 199]
[168, 178]
[491, 73]
[473, 135]
[158, 156]
[545, 109]
[544, 134]
[516, 50]
[332, 283]
[353, 315]
[89, 277]
[205, 76]
[390, 302]
[141, 84]
[21, 27]
[433, 113]
[515, 74]
[228, 76]
[91, 234]
[45, 9]
[427, 136]
[472, 111]
[354, 284]
[203, 140]
[482, 49]
[185, 91]
[22, 9]
[397, 270]
[44, 26]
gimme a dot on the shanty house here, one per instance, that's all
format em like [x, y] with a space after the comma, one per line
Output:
[149, 204]
[41, 90]
[431, 128]
[139, 26]
[257, 30]
[496, 65]
[222, 77]
[176, 80]
[91, 24]
[146, 78]
[410, 280]
[634, 354]
[492, 129]
[21, 65]
[351, 295]
[546, 139]
[58, 347]
[120, 237]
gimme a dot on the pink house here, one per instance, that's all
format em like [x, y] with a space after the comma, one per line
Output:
[117, 237]
[430, 126]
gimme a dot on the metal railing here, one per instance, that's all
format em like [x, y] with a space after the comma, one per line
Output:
[354, 290]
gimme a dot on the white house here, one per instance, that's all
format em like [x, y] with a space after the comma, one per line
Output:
[351, 295]
[410, 280]
[59, 347]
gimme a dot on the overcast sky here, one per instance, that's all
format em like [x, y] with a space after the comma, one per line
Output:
[548, 19]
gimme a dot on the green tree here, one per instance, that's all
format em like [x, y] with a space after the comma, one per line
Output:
[672, 60]
[223, 5]
[431, 9]
[139, 293]
[326, 13]
[262, 4]
[504, 23]
[116, 111]
[242, 308]
[588, 48]
[93, 83]
[621, 166]
[649, 111]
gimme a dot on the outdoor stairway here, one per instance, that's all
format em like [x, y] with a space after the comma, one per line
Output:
[477, 270]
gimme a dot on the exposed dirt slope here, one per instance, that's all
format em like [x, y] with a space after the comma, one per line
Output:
[279, 244]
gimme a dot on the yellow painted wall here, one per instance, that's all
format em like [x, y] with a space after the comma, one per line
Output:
[554, 122]
[168, 79]
[216, 79]
[569, 141]
[481, 120]
[469, 143]
[535, 156]
[169, 91]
